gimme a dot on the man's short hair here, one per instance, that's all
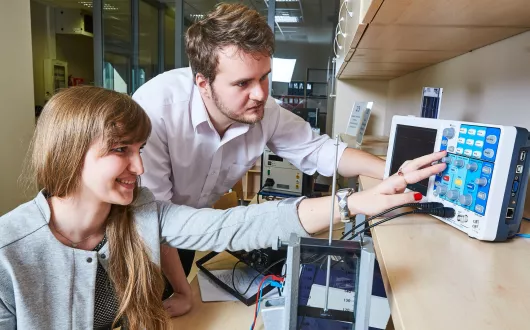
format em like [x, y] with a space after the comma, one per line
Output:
[227, 25]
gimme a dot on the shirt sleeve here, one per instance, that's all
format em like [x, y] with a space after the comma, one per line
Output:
[240, 228]
[294, 140]
[155, 155]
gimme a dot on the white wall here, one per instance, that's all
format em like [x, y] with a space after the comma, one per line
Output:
[488, 85]
[17, 117]
[350, 91]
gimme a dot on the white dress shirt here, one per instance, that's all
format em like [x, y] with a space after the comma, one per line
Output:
[187, 162]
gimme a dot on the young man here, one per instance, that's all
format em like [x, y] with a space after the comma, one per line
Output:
[211, 122]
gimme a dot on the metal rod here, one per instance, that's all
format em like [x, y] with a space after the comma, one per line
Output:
[330, 239]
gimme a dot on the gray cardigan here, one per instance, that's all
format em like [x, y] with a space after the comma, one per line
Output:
[47, 285]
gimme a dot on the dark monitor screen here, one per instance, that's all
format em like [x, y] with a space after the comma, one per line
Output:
[412, 142]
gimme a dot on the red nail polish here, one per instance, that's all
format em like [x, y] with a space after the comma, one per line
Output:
[418, 196]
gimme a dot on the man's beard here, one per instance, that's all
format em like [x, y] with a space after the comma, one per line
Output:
[259, 107]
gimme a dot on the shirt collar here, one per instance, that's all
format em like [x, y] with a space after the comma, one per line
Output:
[42, 204]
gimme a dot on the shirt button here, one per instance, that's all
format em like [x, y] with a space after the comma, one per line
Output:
[89, 260]
[103, 256]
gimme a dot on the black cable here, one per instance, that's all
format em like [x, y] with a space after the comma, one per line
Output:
[261, 273]
[429, 205]
[445, 212]
[234, 275]
[380, 222]
[268, 183]
[525, 218]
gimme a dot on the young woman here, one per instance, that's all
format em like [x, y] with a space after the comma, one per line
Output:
[84, 253]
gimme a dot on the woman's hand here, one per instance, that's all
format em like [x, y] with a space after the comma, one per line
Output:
[389, 193]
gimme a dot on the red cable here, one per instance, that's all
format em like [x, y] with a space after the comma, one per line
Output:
[274, 278]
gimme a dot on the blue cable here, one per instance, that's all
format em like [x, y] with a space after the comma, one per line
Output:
[267, 282]
[523, 235]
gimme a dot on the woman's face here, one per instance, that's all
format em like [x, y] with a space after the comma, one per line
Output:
[111, 177]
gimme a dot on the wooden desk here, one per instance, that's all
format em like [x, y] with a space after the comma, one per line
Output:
[436, 277]
[215, 315]
[233, 315]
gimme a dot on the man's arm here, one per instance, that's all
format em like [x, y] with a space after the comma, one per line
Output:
[357, 162]
[294, 140]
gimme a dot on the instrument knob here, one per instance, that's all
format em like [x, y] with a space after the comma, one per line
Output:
[441, 189]
[447, 160]
[472, 167]
[481, 181]
[459, 163]
[466, 199]
[453, 195]
[449, 132]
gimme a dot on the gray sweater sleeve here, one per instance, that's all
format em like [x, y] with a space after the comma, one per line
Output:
[240, 228]
[7, 318]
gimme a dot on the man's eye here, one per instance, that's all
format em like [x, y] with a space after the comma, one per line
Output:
[242, 84]
[120, 149]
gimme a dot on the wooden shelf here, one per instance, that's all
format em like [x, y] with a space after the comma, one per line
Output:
[252, 181]
[396, 37]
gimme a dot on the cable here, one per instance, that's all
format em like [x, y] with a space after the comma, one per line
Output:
[423, 206]
[258, 299]
[525, 218]
[234, 275]
[268, 183]
[261, 273]
[275, 281]
[445, 212]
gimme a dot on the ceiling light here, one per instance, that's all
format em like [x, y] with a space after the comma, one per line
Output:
[106, 6]
[109, 7]
[197, 16]
[287, 19]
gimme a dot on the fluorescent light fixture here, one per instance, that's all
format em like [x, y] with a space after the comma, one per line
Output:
[287, 19]
[106, 6]
[197, 16]
[282, 69]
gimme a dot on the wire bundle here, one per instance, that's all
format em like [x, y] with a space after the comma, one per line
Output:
[273, 280]
[433, 208]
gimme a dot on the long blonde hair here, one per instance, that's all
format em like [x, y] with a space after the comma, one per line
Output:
[70, 122]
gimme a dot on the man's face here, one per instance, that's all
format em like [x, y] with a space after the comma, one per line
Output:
[241, 86]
